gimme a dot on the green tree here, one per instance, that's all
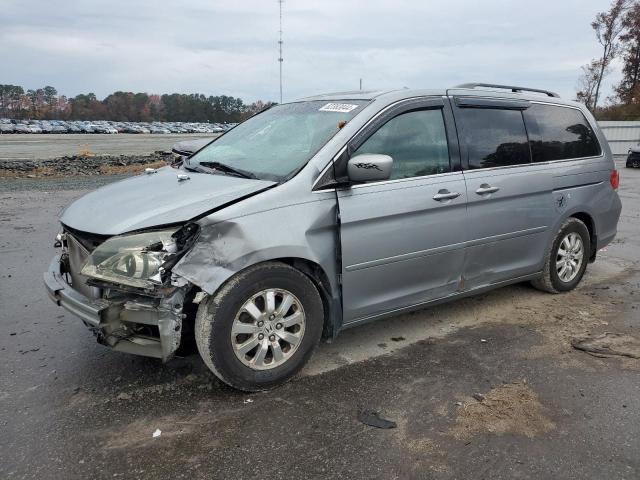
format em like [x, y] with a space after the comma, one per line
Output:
[608, 27]
[628, 90]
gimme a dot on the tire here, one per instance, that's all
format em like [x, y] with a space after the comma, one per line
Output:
[225, 312]
[551, 281]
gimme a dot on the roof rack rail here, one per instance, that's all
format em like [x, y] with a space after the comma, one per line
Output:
[508, 87]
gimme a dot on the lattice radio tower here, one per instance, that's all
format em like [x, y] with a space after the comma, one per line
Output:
[280, 59]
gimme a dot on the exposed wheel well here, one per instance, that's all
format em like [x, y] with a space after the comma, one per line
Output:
[593, 239]
[332, 306]
[333, 311]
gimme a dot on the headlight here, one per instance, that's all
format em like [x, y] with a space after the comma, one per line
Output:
[133, 260]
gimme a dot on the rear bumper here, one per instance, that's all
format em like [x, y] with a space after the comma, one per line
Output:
[118, 324]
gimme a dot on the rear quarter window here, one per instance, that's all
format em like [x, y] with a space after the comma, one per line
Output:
[559, 133]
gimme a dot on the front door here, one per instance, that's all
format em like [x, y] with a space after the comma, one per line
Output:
[403, 239]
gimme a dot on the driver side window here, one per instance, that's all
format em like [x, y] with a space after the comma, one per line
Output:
[417, 142]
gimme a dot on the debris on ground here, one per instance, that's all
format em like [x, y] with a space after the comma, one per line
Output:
[509, 408]
[248, 400]
[373, 419]
[478, 396]
[157, 433]
[608, 344]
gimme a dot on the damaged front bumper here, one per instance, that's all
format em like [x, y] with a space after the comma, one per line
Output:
[137, 324]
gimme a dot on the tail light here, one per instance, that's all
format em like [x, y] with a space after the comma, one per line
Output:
[614, 179]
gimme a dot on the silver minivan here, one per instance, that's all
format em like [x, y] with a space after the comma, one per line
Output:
[332, 211]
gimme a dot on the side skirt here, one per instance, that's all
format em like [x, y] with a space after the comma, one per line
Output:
[438, 301]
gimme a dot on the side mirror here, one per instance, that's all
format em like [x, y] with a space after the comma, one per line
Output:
[369, 167]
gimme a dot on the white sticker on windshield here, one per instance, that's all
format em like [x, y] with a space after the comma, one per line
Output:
[338, 107]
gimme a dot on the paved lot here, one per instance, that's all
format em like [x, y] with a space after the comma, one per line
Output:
[70, 408]
[40, 146]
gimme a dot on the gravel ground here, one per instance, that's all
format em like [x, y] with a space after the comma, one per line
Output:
[483, 388]
[78, 165]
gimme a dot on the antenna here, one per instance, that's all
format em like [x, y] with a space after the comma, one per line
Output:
[280, 59]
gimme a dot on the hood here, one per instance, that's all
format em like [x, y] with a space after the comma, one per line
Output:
[150, 200]
[635, 149]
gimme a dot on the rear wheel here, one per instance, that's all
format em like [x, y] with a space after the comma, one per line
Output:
[567, 259]
[261, 327]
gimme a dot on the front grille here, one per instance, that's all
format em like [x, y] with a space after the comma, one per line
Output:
[634, 156]
[77, 256]
[88, 240]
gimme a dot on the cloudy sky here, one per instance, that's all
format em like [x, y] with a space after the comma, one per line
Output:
[230, 47]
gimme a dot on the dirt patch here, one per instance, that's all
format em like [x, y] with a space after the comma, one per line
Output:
[426, 454]
[608, 345]
[88, 165]
[139, 434]
[560, 318]
[510, 408]
[130, 169]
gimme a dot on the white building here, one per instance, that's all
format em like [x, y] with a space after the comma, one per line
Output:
[621, 135]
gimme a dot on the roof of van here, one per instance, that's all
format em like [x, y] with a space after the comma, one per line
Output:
[466, 89]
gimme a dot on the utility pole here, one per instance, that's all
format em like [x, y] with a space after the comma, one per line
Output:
[280, 59]
[360, 84]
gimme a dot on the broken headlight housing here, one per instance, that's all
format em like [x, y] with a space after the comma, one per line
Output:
[135, 260]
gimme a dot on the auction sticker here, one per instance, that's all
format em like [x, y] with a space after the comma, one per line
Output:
[338, 107]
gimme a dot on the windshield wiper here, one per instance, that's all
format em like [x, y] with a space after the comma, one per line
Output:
[227, 169]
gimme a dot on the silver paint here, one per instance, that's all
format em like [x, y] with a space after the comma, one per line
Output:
[376, 248]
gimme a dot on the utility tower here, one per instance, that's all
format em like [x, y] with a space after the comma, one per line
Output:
[280, 59]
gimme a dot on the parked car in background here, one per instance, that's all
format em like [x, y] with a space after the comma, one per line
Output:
[159, 130]
[112, 127]
[59, 129]
[633, 158]
[21, 128]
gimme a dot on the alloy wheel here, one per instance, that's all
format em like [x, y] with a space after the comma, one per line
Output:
[569, 257]
[268, 329]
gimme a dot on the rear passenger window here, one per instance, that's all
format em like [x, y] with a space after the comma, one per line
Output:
[493, 137]
[417, 142]
[559, 133]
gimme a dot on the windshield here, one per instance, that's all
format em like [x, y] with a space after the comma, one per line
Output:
[276, 143]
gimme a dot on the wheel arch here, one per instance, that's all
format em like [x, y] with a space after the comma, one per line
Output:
[589, 222]
[329, 291]
[332, 303]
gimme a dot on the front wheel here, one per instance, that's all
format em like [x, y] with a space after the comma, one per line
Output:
[567, 259]
[261, 327]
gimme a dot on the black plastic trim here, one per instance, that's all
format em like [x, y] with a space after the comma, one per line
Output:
[497, 103]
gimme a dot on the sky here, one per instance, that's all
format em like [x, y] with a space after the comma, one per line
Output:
[227, 47]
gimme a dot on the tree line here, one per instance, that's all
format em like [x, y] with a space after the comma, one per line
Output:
[617, 31]
[46, 103]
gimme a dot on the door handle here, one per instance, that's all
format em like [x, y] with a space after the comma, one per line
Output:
[444, 195]
[484, 188]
